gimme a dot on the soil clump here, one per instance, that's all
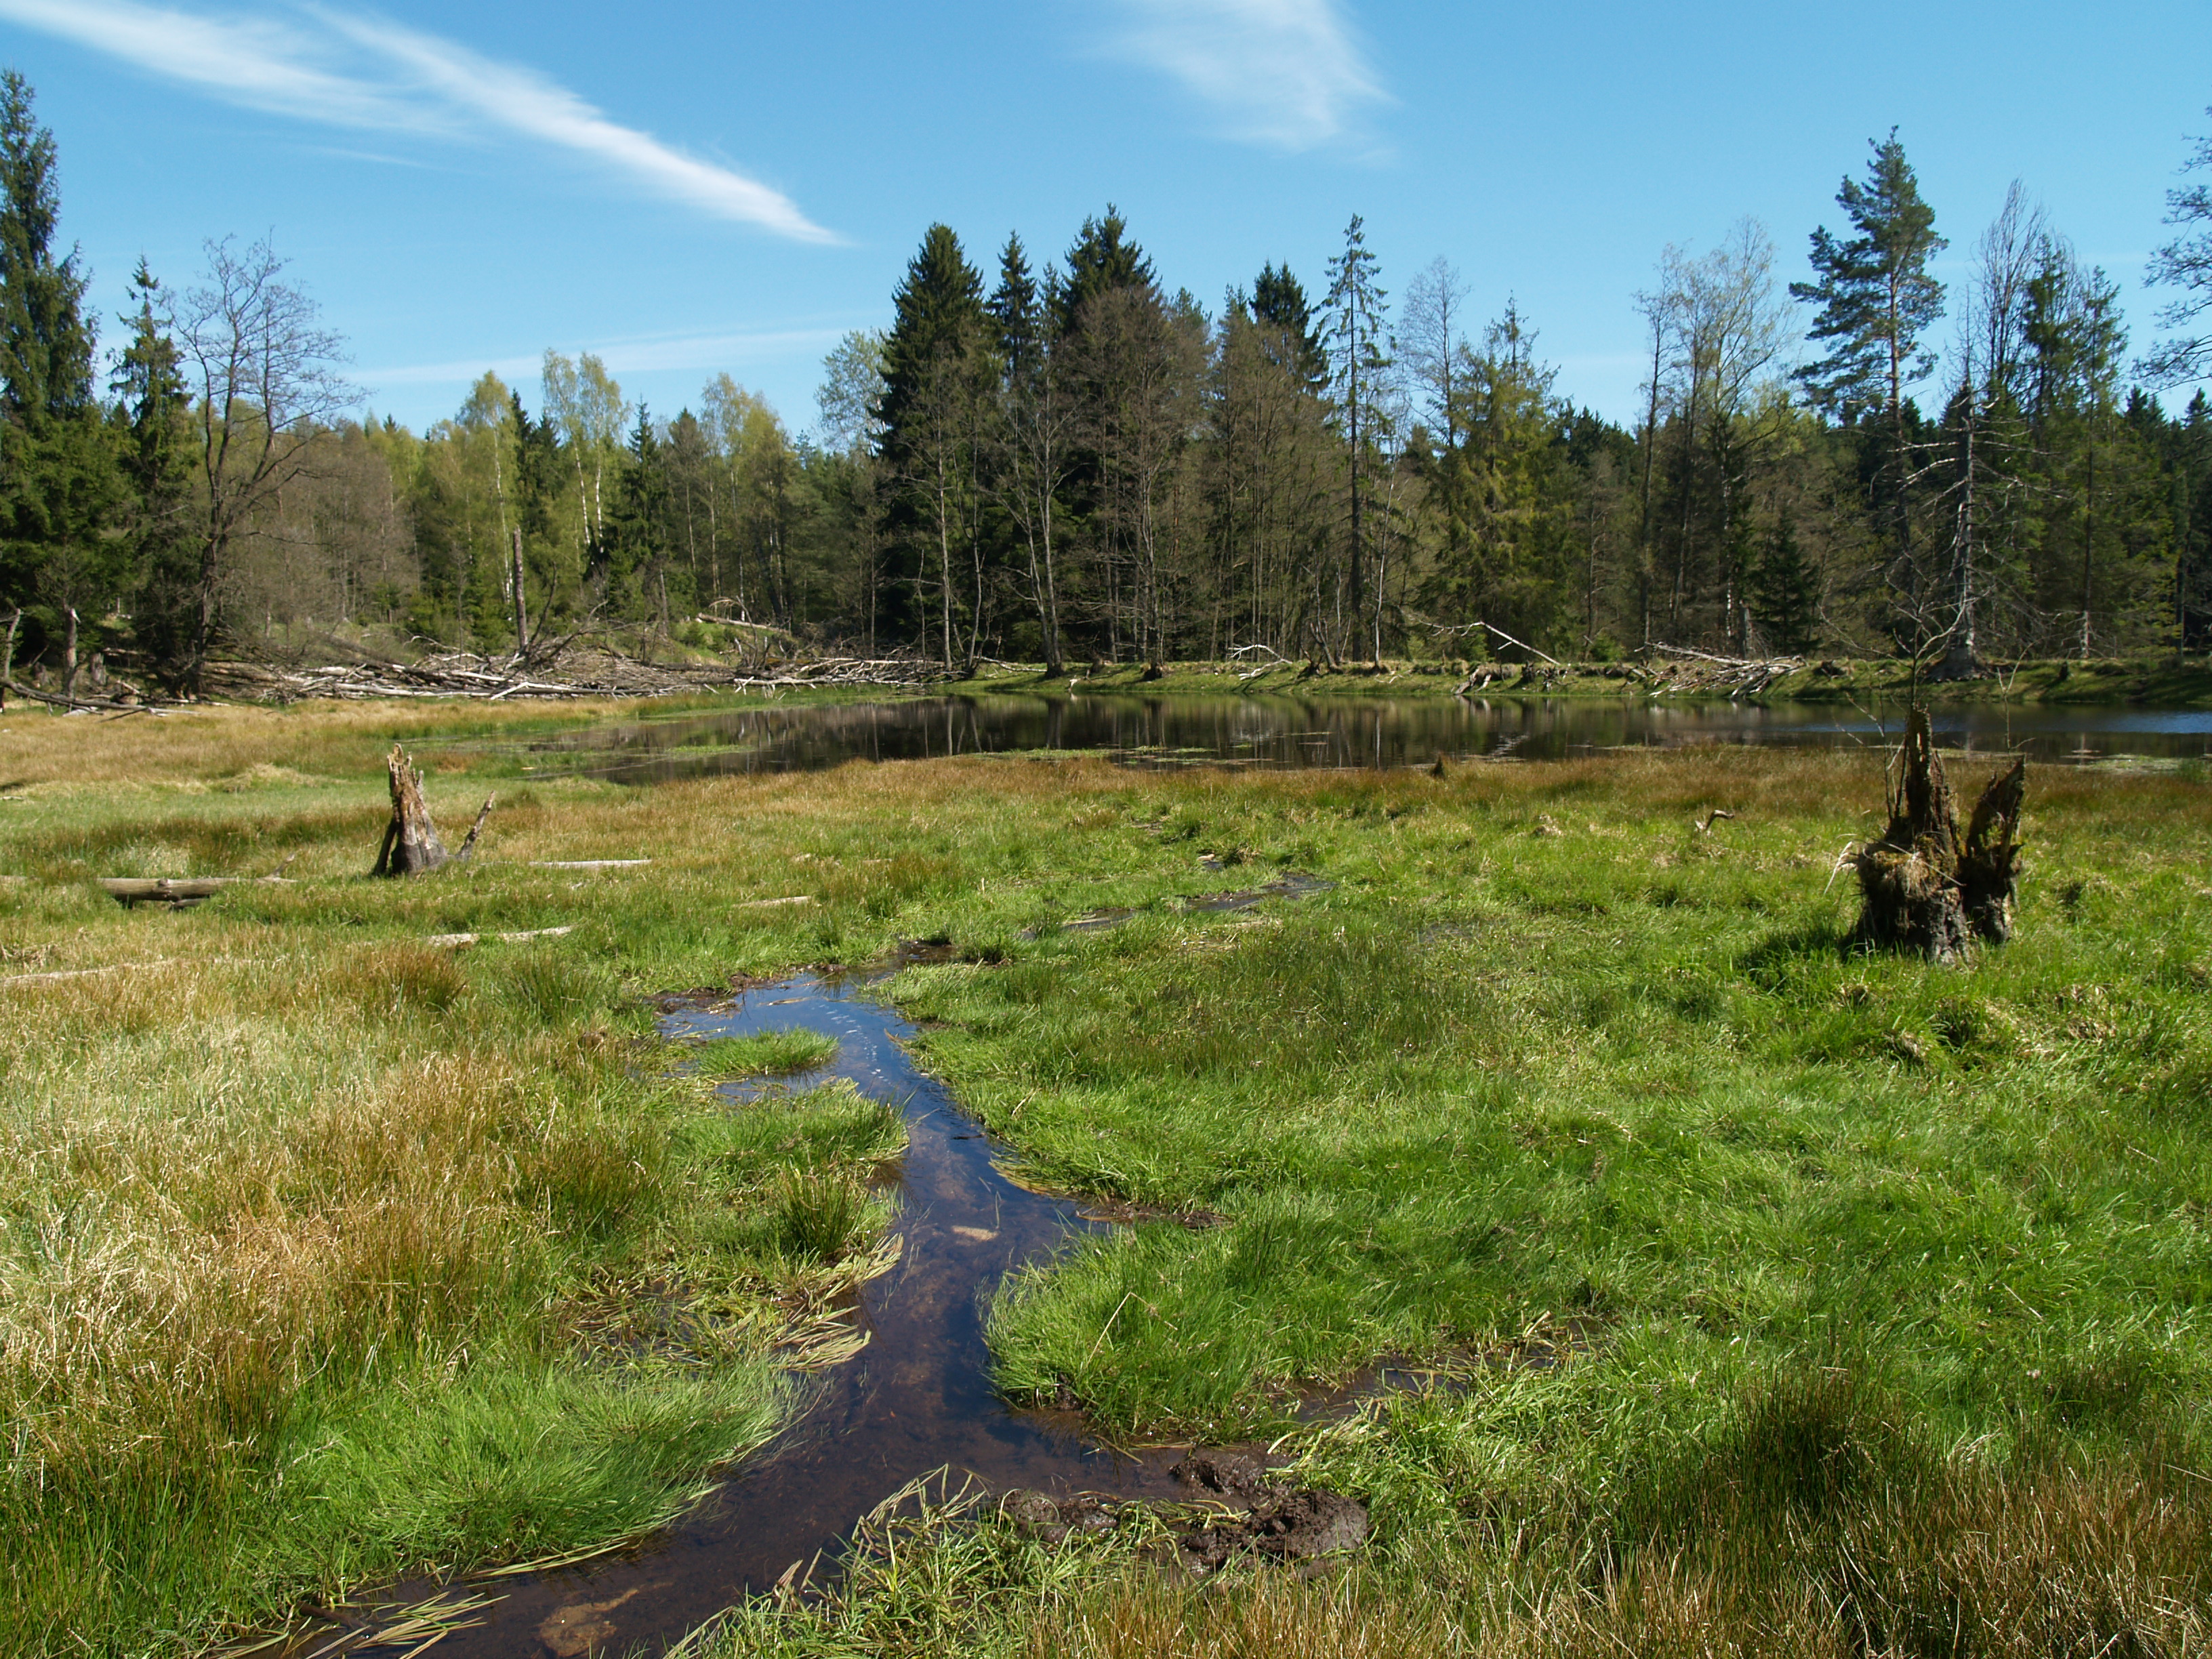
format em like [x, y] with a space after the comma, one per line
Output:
[1241, 1511]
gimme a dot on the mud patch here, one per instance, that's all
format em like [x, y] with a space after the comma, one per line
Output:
[1122, 1212]
[1238, 1510]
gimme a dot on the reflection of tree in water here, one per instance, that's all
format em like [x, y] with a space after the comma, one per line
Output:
[1378, 733]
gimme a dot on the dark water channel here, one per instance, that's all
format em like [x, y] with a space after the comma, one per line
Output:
[918, 1398]
[1281, 731]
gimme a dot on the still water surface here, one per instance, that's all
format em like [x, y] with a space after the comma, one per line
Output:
[1277, 732]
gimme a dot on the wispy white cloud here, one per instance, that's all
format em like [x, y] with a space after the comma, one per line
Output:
[363, 73]
[1290, 73]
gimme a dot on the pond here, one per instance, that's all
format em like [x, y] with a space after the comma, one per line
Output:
[1280, 732]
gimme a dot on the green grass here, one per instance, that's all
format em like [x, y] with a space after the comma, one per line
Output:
[770, 1054]
[1876, 1289]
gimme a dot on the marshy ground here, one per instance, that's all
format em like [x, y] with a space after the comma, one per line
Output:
[1792, 1300]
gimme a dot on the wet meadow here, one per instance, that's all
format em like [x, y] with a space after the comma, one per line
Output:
[1737, 1292]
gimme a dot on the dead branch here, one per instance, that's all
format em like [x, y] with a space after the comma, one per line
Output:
[468, 843]
[1520, 644]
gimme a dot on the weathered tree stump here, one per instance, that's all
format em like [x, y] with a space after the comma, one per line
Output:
[1921, 887]
[1989, 868]
[412, 842]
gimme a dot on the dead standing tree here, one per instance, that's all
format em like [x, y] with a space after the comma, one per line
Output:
[411, 842]
[1922, 886]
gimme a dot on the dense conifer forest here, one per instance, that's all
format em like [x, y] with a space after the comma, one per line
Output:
[1070, 458]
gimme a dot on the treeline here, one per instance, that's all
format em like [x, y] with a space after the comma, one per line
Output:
[1070, 462]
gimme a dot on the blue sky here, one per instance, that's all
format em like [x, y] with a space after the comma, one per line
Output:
[687, 189]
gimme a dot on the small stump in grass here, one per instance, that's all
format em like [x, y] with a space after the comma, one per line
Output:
[1923, 886]
[411, 842]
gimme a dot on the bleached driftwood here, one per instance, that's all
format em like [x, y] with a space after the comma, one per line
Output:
[455, 941]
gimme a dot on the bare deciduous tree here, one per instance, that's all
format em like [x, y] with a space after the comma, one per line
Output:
[264, 374]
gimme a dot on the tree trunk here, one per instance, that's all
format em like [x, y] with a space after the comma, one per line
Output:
[1959, 654]
[411, 843]
[1908, 880]
[2088, 535]
[521, 605]
[1921, 888]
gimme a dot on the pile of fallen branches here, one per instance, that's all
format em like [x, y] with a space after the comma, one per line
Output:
[568, 670]
[1702, 673]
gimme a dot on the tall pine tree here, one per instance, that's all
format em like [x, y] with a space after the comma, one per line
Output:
[152, 413]
[1356, 337]
[60, 481]
[1878, 295]
[937, 367]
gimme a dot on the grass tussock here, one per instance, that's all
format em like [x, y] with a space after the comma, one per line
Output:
[1792, 1300]
[767, 1053]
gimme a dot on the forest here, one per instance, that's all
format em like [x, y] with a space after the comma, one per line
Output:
[1072, 461]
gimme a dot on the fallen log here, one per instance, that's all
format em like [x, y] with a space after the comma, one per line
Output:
[179, 890]
[75, 705]
[455, 941]
[59, 975]
[1922, 886]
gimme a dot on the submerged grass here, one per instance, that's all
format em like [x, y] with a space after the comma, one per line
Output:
[1796, 1301]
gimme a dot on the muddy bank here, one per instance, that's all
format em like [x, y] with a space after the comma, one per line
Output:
[1239, 1511]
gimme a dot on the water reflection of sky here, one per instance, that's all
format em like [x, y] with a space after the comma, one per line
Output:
[1308, 732]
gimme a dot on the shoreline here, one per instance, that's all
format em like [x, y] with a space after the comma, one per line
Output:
[1839, 682]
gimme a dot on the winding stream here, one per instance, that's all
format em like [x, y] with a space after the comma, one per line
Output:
[918, 1397]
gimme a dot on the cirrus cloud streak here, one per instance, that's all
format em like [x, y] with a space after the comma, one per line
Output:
[1287, 73]
[368, 74]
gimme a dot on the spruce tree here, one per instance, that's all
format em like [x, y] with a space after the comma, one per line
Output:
[151, 414]
[1100, 260]
[637, 528]
[938, 313]
[1279, 301]
[1013, 310]
[937, 368]
[1354, 307]
[46, 344]
[55, 454]
[1785, 592]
